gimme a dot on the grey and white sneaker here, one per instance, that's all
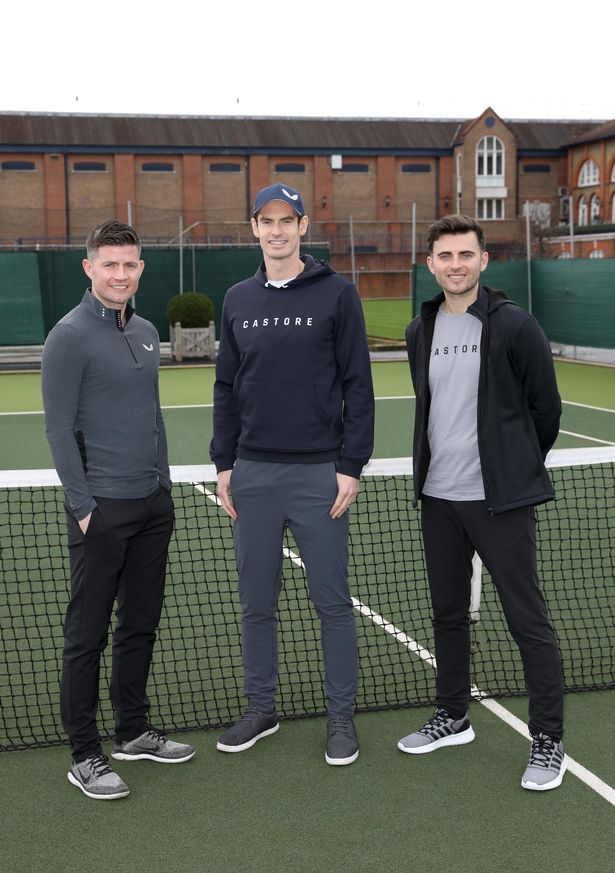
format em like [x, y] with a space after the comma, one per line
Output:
[152, 746]
[342, 743]
[547, 764]
[441, 730]
[95, 777]
[251, 727]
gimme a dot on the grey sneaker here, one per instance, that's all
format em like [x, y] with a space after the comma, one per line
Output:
[440, 730]
[96, 779]
[251, 727]
[547, 764]
[342, 743]
[152, 746]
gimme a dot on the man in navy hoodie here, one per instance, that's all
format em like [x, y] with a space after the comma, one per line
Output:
[293, 428]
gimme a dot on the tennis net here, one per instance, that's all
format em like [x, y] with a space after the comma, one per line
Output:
[196, 678]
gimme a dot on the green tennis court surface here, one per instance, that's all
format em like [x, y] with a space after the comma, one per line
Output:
[588, 417]
[278, 806]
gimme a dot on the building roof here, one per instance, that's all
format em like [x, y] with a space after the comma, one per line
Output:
[600, 131]
[236, 134]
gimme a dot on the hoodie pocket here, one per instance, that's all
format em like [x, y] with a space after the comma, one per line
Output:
[286, 416]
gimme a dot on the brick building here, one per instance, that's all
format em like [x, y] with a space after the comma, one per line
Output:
[363, 180]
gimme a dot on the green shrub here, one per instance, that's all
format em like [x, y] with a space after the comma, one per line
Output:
[191, 309]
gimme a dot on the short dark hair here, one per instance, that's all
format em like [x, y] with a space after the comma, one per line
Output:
[111, 233]
[454, 224]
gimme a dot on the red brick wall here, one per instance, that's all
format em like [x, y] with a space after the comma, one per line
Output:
[125, 189]
[55, 196]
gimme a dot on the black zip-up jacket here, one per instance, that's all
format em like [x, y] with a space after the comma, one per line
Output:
[293, 376]
[519, 406]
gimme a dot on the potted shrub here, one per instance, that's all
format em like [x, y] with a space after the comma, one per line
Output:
[192, 327]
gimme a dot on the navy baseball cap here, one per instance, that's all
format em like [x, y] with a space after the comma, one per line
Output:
[279, 192]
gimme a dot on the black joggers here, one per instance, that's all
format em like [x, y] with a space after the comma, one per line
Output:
[506, 543]
[122, 556]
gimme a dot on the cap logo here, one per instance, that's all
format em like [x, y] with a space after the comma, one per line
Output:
[290, 196]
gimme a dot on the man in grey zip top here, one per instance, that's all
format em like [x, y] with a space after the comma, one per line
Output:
[107, 438]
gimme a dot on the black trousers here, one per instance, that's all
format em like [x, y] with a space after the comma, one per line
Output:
[122, 557]
[506, 543]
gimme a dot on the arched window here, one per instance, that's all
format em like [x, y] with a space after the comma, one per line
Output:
[582, 211]
[589, 174]
[490, 157]
[594, 210]
[596, 253]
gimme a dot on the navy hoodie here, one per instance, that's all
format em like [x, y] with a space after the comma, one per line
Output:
[293, 376]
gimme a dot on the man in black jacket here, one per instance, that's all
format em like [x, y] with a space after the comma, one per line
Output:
[487, 413]
[293, 428]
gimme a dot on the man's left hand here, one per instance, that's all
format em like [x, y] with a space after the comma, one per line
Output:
[347, 490]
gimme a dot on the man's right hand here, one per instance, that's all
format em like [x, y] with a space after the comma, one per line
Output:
[224, 493]
[84, 523]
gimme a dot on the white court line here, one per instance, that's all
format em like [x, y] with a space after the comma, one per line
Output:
[210, 495]
[190, 406]
[33, 412]
[581, 772]
[583, 436]
[587, 406]
[204, 405]
[378, 399]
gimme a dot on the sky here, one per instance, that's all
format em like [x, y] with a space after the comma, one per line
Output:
[324, 59]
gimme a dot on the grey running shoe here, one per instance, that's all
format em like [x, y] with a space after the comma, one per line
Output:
[96, 779]
[440, 730]
[547, 764]
[251, 727]
[152, 746]
[342, 743]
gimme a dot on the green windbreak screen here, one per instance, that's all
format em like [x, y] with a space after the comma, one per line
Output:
[38, 289]
[21, 313]
[573, 300]
[576, 303]
[510, 276]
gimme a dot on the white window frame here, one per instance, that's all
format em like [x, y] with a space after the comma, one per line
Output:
[594, 209]
[490, 154]
[589, 174]
[613, 209]
[458, 185]
[583, 212]
[490, 208]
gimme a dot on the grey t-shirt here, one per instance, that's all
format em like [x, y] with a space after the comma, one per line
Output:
[454, 365]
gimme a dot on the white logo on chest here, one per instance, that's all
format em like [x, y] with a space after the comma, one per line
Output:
[278, 321]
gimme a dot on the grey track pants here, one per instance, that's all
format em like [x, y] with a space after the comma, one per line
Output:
[268, 498]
